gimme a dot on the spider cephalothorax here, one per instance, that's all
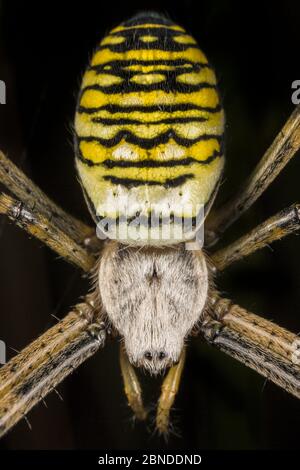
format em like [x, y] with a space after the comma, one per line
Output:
[153, 297]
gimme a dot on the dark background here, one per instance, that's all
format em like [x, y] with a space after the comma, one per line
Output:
[44, 48]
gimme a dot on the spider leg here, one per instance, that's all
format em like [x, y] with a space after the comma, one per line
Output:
[284, 223]
[132, 386]
[169, 390]
[258, 343]
[272, 163]
[27, 378]
[34, 198]
[47, 231]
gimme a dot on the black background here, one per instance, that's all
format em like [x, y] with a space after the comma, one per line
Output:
[44, 48]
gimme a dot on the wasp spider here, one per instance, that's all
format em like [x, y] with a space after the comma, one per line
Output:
[149, 134]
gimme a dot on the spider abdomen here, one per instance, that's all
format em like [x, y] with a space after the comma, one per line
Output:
[149, 127]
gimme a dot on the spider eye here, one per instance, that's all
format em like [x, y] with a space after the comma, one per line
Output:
[148, 356]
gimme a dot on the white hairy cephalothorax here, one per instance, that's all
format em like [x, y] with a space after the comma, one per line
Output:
[153, 298]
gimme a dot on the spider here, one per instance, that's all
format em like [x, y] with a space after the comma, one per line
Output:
[153, 295]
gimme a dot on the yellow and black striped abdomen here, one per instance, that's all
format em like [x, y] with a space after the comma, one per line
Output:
[149, 124]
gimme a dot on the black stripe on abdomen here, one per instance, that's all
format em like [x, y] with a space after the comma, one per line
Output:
[149, 163]
[132, 182]
[124, 121]
[166, 108]
[141, 142]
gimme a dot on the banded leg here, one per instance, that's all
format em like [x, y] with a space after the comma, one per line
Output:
[169, 390]
[280, 225]
[27, 378]
[30, 195]
[272, 163]
[132, 386]
[47, 231]
[260, 344]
